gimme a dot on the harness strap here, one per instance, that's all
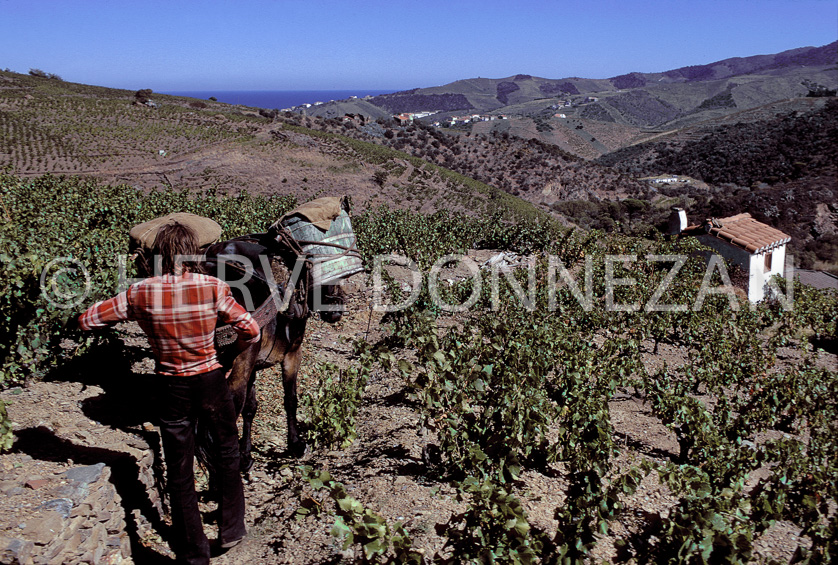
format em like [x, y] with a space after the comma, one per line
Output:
[267, 311]
[346, 250]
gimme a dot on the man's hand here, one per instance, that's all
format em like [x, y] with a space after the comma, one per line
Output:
[72, 323]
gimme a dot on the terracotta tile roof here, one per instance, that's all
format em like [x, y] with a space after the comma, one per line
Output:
[744, 232]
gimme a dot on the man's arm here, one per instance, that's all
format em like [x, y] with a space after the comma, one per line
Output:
[105, 313]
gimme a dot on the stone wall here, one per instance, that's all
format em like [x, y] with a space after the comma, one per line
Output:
[55, 510]
[82, 521]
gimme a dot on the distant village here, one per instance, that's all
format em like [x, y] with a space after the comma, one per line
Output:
[405, 118]
[452, 121]
[304, 106]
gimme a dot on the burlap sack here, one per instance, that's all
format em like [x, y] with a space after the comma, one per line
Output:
[319, 212]
[143, 235]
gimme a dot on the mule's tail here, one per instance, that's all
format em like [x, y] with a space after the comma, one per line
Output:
[204, 447]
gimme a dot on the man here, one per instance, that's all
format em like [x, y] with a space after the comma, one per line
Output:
[178, 311]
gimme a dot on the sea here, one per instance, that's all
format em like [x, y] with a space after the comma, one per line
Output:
[276, 99]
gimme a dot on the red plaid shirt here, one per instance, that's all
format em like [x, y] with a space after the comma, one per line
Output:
[178, 314]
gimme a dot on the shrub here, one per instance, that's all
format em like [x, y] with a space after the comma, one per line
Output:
[41, 74]
[6, 437]
[143, 95]
[379, 177]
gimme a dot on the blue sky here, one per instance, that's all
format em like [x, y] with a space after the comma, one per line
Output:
[389, 44]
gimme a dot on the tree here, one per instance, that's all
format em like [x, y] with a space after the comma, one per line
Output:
[143, 95]
[41, 74]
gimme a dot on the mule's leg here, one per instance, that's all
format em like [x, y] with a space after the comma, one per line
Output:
[290, 367]
[241, 382]
[248, 413]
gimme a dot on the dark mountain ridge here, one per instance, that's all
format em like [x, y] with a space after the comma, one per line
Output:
[531, 87]
[734, 66]
[662, 100]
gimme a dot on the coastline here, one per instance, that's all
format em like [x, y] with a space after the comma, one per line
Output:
[276, 99]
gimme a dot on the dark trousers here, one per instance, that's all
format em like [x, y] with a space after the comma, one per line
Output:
[188, 398]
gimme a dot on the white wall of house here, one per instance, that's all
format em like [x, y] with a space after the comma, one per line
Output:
[753, 264]
[777, 262]
[677, 221]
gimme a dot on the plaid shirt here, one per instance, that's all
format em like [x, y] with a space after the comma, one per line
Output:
[179, 315]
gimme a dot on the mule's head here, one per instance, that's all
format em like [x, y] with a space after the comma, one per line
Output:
[328, 302]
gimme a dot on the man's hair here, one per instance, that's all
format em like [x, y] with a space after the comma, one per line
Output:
[174, 240]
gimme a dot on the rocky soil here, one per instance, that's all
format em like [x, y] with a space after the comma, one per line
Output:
[101, 412]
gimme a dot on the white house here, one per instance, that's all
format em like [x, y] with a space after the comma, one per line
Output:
[671, 179]
[757, 248]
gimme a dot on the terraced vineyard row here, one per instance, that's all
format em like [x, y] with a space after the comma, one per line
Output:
[60, 130]
[526, 384]
[520, 381]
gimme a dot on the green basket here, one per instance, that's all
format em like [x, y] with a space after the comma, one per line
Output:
[333, 254]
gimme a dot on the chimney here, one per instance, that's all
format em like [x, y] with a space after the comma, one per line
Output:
[677, 220]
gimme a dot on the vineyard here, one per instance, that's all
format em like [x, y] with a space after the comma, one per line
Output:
[55, 127]
[526, 384]
[520, 386]
[62, 128]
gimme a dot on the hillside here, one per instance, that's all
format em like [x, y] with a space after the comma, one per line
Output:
[502, 165]
[786, 148]
[61, 128]
[523, 432]
[533, 409]
[539, 172]
[633, 101]
[778, 163]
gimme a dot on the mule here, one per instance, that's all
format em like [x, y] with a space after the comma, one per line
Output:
[282, 335]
